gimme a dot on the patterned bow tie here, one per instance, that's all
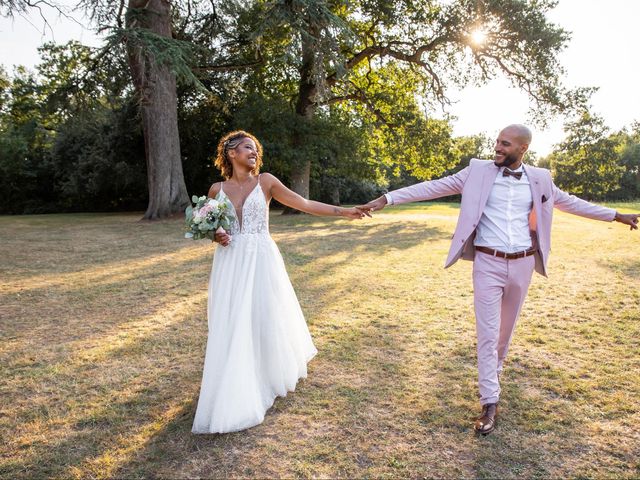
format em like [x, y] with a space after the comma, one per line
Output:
[506, 172]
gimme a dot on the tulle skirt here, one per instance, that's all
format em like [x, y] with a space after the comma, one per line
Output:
[259, 343]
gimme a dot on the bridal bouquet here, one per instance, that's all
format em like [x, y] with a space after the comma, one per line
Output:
[207, 216]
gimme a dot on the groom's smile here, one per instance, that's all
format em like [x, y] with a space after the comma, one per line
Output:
[509, 148]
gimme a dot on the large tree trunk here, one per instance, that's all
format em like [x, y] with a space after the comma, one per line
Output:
[305, 109]
[335, 193]
[155, 85]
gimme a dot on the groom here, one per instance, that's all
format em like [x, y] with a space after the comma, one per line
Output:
[504, 226]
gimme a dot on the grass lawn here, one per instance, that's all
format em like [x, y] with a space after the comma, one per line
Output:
[103, 331]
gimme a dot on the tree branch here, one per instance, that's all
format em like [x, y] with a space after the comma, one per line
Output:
[523, 81]
[361, 95]
[342, 98]
[22, 6]
[231, 66]
[120, 10]
[414, 58]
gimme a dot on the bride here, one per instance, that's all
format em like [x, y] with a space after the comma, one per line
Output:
[259, 344]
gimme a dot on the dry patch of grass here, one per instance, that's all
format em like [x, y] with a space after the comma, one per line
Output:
[103, 329]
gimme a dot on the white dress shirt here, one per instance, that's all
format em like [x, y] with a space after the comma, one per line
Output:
[504, 224]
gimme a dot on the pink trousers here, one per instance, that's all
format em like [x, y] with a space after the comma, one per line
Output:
[499, 289]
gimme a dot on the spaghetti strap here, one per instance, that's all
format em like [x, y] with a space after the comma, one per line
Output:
[259, 178]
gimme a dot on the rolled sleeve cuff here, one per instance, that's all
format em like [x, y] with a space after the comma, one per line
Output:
[389, 199]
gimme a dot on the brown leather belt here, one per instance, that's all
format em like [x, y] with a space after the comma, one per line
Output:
[508, 256]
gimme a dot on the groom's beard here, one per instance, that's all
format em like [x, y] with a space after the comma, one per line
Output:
[508, 160]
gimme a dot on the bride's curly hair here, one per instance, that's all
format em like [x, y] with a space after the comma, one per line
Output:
[229, 142]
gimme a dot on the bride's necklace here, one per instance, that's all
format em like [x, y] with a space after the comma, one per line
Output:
[242, 199]
[241, 185]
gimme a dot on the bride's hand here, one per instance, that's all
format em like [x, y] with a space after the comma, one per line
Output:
[222, 237]
[354, 213]
[377, 204]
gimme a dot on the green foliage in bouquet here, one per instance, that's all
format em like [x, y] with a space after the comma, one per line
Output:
[207, 215]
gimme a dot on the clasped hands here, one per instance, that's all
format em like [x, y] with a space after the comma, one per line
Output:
[374, 205]
[361, 211]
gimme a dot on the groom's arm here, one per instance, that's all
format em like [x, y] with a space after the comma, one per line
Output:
[443, 187]
[429, 190]
[572, 204]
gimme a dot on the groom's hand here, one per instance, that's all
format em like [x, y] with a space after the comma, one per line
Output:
[630, 219]
[377, 204]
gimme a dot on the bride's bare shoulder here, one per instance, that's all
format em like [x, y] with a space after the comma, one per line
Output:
[214, 190]
[268, 179]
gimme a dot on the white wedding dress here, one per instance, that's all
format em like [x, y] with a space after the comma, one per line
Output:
[259, 343]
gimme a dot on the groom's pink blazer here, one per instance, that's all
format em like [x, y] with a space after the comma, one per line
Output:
[475, 182]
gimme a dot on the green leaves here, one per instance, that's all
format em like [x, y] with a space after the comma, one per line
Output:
[587, 162]
[178, 55]
[204, 218]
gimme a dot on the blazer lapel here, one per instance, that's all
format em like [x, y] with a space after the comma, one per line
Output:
[488, 178]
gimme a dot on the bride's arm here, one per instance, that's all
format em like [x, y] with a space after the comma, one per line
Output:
[291, 199]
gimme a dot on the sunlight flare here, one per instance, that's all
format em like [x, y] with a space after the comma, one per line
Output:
[478, 37]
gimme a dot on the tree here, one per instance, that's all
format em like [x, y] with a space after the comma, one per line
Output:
[629, 159]
[25, 140]
[145, 28]
[466, 148]
[328, 52]
[322, 54]
[155, 85]
[586, 162]
[332, 138]
[69, 136]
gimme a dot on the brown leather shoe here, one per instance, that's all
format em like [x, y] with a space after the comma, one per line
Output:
[486, 422]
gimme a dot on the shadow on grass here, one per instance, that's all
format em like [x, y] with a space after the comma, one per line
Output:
[119, 409]
[98, 435]
[94, 238]
[396, 234]
[349, 412]
[629, 268]
[326, 258]
[533, 417]
[337, 412]
[322, 423]
[90, 309]
[372, 405]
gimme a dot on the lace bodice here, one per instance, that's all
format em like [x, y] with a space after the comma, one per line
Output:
[255, 214]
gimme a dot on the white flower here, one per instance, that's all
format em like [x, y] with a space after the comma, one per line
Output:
[213, 203]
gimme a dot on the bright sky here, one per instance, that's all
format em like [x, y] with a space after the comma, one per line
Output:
[603, 53]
